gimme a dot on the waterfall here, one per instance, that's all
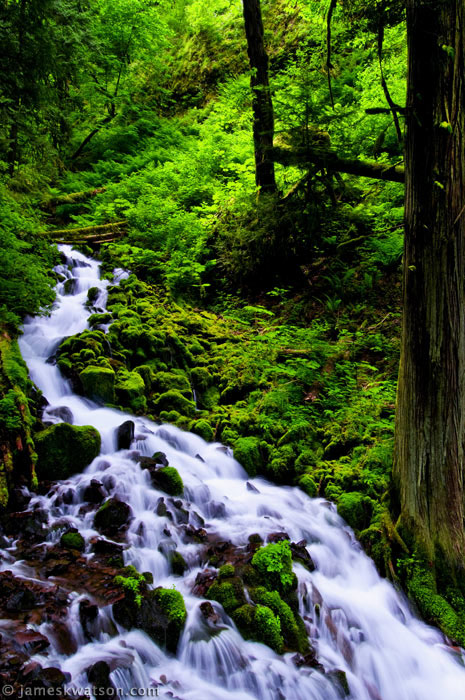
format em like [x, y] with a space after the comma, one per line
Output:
[357, 622]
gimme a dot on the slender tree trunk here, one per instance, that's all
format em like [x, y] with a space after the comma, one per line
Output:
[262, 106]
[430, 418]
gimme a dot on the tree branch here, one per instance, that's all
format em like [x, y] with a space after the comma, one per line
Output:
[330, 160]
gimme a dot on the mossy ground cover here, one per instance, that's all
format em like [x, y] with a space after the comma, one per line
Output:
[306, 402]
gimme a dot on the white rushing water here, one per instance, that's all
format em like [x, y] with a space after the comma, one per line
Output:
[357, 622]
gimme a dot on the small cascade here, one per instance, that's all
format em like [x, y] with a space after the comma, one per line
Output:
[357, 622]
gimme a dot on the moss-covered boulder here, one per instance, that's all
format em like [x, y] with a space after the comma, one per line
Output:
[229, 592]
[167, 479]
[247, 452]
[130, 391]
[356, 509]
[65, 449]
[173, 400]
[203, 429]
[98, 383]
[292, 625]
[160, 613]
[260, 624]
[73, 540]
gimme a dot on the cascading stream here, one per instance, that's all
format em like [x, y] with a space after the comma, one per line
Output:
[357, 621]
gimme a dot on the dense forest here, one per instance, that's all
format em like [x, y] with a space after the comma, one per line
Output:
[279, 185]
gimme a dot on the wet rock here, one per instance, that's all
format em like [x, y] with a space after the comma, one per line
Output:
[160, 458]
[200, 458]
[252, 488]
[125, 435]
[216, 509]
[340, 678]
[256, 539]
[277, 537]
[195, 534]
[31, 641]
[27, 524]
[112, 516]
[18, 500]
[161, 507]
[309, 660]
[88, 613]
[68, 496]
[178, 563]
[99, 677]
[45, 679]
[101, 546]
[63, 412]
[300, 554]
[203, 581]
[94, 493]
[181, 514]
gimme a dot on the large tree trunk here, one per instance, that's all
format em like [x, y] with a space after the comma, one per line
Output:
[262, 106]
[430, 419]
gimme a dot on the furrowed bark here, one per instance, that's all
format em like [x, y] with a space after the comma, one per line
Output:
[430, 416]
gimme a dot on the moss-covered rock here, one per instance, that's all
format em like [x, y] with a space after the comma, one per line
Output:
[172, 605]
[173, 400]
[259, 624]
[203, 429]
[130, 390]
[229, 592]
[65, 449]
[292, 625]
[247, 452]
[167, 479]
[73, 540]
[178, 563]
[355, 508]
[274, 565]
[98, 383]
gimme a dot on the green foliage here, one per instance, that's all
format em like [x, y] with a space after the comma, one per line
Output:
[274, 564]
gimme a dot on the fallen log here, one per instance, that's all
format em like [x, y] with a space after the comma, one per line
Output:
[51, 203]
[88, 231]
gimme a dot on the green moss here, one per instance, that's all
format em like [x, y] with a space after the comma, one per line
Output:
[229, 592]
[168, 480]
[292, 625]
[274, 565]
[247, 453]
[133, 583]
[178, 563]
[172, 604]
[92, 294]
[268, 628]
[226, 571]
[130, 390]
[98, 383]
[434, 608]
[202, 428]
[64, 450]
[73, 540]
[307, 484]
[167, 381]
[173, 400]
[355, 508]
